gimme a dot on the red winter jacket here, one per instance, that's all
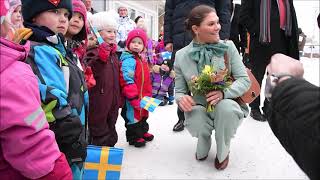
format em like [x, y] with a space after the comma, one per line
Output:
[135, 83]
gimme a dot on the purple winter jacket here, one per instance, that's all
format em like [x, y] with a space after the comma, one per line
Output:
[28, 149]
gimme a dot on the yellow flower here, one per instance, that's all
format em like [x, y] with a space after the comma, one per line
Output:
[207, 70]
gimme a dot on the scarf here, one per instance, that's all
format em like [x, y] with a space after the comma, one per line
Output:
[123, 20]
[40, 33]
[43, 34]
[203, 53]
[265, 12]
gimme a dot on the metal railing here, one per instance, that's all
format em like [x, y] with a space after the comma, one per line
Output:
[311, 51]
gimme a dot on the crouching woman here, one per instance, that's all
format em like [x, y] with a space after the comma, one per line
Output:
[207, 49]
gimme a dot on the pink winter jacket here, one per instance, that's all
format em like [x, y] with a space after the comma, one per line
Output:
[28, 149]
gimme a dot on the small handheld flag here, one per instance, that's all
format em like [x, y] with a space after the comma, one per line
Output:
[102, 162]
[149, 103]
[166, 55]
[96, 33]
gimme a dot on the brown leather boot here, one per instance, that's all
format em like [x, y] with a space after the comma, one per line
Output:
[223, 164]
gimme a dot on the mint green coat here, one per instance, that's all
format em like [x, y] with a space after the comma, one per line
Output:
[228, 114]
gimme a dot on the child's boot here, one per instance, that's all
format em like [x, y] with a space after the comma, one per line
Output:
[171, 99]
[148, 137]
[140, 142]
[134, 135]
[164, 102]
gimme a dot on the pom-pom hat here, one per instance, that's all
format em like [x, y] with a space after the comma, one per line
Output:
[137, 33]
[104, 20]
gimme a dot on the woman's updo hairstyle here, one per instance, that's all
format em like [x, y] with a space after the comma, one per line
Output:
[197, 15]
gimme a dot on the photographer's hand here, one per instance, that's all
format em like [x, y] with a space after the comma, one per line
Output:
[282, 64]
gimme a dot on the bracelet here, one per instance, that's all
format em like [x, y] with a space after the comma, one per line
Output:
[272, 81]
[278, 77]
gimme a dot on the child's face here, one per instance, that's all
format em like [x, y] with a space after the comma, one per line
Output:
[92, 40]
[136, 45]
[55, 19]
[16, 17]
[108, 35]
[140, 22]
[76, 23]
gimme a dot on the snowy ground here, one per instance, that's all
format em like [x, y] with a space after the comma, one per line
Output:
[255, 152]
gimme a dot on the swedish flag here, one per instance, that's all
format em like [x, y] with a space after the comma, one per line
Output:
[96, 33]
[103, 162]
[149, 103]
[166, 55]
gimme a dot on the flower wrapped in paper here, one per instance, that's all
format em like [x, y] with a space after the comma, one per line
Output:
[209, 80]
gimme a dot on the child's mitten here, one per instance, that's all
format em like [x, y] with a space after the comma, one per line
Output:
[156, 69]
[172, 74]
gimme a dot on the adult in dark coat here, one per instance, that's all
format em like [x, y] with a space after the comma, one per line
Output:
[294, 114]
[176, 36]
[238, 33]
[282, 39]
[318, 19]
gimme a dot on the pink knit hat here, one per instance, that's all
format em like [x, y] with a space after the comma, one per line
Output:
[78, 6]
[13, 6]
[4, 7]
[137, 33]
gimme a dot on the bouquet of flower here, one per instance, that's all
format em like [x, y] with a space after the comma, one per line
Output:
[209, 80]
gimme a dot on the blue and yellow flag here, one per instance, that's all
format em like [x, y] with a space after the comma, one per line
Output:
[103, 162]
[166, 55]
[149, 103]
[96, 33]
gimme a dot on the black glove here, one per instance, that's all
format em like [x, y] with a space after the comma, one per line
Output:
[122, 44]
[70, 136]
[77, 151]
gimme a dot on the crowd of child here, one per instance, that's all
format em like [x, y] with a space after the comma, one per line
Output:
[78, 82]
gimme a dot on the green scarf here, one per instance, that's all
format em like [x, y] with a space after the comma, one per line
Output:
[203, 53]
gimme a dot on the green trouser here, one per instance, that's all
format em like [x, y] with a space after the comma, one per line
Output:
[225, 119]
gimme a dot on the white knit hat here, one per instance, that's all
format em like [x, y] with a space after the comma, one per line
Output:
[104, 20]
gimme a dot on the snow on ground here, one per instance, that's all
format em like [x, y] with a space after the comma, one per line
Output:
[255, 152]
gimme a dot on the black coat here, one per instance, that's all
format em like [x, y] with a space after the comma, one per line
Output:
[176, 12]
[295, 120]
[250, 18]
[238, 33]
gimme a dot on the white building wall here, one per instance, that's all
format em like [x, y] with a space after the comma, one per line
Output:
[147, 9]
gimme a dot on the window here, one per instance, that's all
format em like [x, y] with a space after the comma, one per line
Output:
[134, 12]
[149, 24]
